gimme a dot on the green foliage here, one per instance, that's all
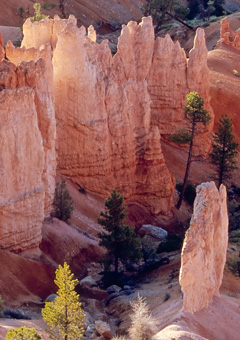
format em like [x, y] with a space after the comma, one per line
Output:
[189, 194]
[182, 136]
[205, 8]
[62, 203]
[162, 10]
[232, 264]
[172, 243]
[23, 333]
[121, 241]
[194, 109]
[64, 316]
[38, 15]
[48, 5]
[235, 237]
[224, 150]
[195, 115]
[149, 252]
[235, 72]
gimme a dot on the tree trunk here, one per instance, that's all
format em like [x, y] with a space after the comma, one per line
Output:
[179, 203]
[181, 21]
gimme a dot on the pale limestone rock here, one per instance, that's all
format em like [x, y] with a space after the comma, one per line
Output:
[204, 249]
[21, 169]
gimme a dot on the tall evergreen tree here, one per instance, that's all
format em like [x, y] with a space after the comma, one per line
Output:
[64, 316]
[224, 150]
[121, 241]
[194, 114]
[62, 203]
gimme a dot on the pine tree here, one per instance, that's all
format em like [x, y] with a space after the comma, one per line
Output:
[224, 150]
[64, 316]
[23, 333]
[194, 114]
[121, 241]
[62, 203]
[163, 10]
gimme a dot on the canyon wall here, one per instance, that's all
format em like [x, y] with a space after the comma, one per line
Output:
[205, 247]
[111, 110]
[28, 156]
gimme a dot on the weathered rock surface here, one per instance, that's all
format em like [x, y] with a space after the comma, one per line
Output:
[157, 233]
[204, 248]
[228, 36]
[102, 328]
[24, 168]
[111, 110]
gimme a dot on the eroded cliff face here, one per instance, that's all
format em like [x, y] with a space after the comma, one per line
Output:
[27, 142]
[204, 249]
[111, 111]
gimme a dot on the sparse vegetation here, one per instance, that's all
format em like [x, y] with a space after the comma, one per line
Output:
[64, 316]
[143, 325]
[38, 15]
[62, 203]
[121, 241]
[235, 72]
[23, 333]
[48, 5]
[232, 264]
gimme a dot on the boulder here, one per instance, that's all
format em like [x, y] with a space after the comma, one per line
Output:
[157, 233]
[103, 329]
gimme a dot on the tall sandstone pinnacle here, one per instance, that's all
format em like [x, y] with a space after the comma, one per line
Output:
[228, 36]
[205, 247]
[111, 110]
[27, 153]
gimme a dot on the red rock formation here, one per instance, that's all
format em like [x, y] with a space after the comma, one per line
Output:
[27, 168]
[204, 249]
[41, 79]
[110, 110]
[228, 36]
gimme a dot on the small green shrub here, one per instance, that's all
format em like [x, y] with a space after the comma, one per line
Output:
[38, 15]
[189, 194]
[48, 5]
[234, 237]
[172, 243]
[235, 72]
[232, 264]
[23, 333]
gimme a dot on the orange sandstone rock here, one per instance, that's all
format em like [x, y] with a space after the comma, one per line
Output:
[21, 169]
[204, 249]
[228, 36]
[39, 76]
